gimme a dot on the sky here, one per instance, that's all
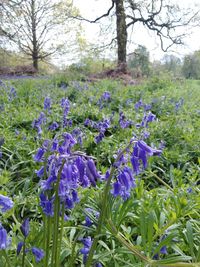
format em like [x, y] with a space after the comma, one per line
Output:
[93, 8]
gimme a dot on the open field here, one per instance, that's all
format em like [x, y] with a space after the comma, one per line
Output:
[157, 212]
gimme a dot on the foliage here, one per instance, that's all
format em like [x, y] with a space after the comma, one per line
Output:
[139, 62]
[191, 66]
[159, 224]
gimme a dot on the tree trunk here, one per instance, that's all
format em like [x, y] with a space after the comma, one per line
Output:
[121, 34]
[35, 61]
[34, 37]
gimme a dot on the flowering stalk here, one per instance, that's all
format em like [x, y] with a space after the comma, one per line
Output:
[104, 207]
[55, 255]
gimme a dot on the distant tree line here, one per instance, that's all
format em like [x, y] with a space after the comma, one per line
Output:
[187, 67]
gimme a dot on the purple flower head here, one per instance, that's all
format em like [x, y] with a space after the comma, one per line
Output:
[138, 104]
[47, 205]
[117, 189]
[88, 122]
[25, 227]
[65, 106]
[91, 172]
[99, 138]
[123, 122]
[68, 143]
[39, 155]
[40, 172]
[88, 220]
[135, 164]
[4, 242]
[5, 203]
[163, 250]
[106, 96]
[38, 253]
[19, 247]
[87, 242]
[47, 103]
[54, 126]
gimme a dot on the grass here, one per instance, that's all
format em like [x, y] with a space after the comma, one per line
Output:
[163, 209]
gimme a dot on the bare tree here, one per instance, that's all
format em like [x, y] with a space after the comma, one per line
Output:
[159, 16]
[34, 26]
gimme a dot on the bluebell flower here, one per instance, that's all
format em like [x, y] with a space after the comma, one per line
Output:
[47, 103]
[117, 189]
[53, 126]
[40, 172]
[38, 253]
[25, 227]
[47, 205]
[19, 247]
[138, 104]
[163, 250]
[5, 203]
[38, 157]
[4, 242]
[87, 242]
[135, 164]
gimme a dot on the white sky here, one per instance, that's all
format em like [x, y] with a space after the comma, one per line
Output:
[93, 8]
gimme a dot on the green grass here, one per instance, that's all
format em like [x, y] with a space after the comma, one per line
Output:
[162, 210]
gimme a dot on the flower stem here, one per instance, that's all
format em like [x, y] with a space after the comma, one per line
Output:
[103, 208]
[54, 258]
[47, 239]
[23, 253]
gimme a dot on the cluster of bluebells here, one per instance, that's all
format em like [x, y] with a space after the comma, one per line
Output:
[37, 253]
[74, 168]
[47, 104]
[37, 123]
[87, 243]
[5, 204]
[65, 105]
[100, 126]
[141, 104]
[147, 118]
[123, 122]
[12, 94]
[105, 98]
[125, 177]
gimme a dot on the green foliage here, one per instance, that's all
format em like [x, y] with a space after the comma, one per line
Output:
[164, 208]
[139, 63]
[191, 66]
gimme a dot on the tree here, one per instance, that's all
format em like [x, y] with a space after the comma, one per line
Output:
[139, 62]
[34, 26]
[172, 64]
[191, 66]
[158, 16]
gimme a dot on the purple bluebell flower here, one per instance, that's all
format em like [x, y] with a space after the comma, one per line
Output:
[5, 203]
[135, 164]
[138, 104]
[87, 242]
[47, 205]
[40, 172]
[25, 227]
[38, 253]
[163, 250]
[39, 155]
[54, 126]
[47, 103]
[124, 123]
[4, 242]
[117, 189]
[19, 247]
